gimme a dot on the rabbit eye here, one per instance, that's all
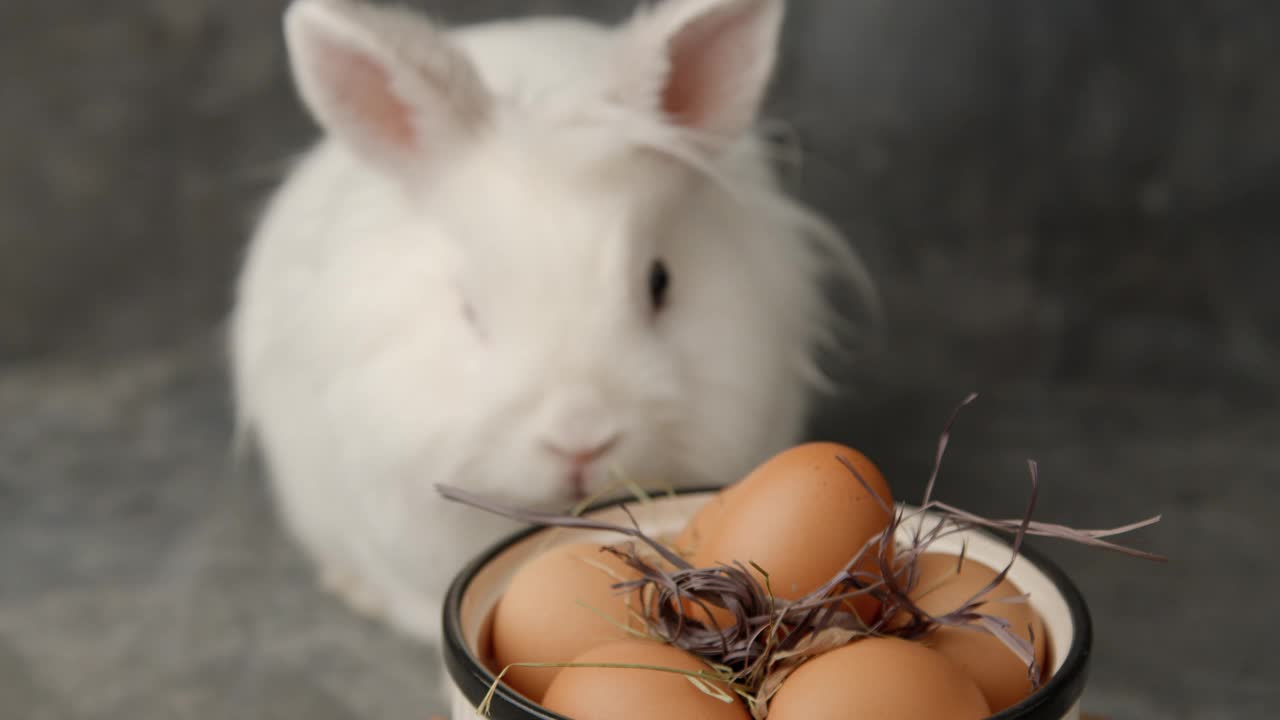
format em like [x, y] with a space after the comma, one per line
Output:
[659, 282]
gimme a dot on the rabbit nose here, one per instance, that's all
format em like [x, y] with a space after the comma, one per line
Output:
[576, 424]
[583, 453]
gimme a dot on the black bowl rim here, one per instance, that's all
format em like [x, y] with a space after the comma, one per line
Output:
[1051, 702]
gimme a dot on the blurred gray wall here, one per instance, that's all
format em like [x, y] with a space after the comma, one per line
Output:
[1052, 189]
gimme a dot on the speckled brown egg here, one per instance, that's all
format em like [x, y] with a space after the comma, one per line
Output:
[879, 679]
[943, 585]
[802, 516]
[554, 610]
[596, 693]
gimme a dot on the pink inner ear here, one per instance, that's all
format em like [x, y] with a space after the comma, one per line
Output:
[364, 95]
[706, 59]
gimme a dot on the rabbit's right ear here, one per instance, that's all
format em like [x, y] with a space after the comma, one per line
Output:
[703, 64]
[384, 82]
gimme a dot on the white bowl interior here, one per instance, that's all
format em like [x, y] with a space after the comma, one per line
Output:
[666, 516]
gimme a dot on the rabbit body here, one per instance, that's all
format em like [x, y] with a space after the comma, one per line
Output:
[526, 258]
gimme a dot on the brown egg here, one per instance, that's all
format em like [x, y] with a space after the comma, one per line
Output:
[941, 587]
[704, 522]
[541, 616]
[802, 516]
[879, 679]
[594, 693]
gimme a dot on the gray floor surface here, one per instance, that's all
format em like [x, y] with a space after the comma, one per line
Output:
[143, 575]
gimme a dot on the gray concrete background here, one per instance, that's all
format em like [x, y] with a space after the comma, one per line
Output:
[1071, 206]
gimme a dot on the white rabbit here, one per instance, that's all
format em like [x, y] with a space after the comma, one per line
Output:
[526, 258]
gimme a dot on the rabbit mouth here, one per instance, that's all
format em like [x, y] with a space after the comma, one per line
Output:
[578, 484]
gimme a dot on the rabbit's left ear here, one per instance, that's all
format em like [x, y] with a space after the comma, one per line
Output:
[702, 64]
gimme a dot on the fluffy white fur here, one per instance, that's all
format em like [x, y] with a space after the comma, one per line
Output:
[455, 279]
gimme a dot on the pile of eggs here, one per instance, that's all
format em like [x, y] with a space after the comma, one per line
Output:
[801, 516]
